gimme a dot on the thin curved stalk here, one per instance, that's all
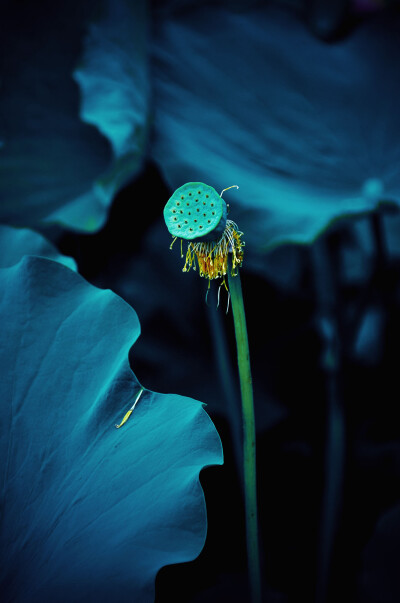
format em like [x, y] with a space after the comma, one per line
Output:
[249, 436]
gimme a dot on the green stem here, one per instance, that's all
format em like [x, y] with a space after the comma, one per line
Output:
[249, 435]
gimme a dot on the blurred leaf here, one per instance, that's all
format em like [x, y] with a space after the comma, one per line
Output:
[357, 251]
[391, 226]
[308, 130]
[379, 576]
[89, 512]
[16, 242]
[369, 342]
[113, 78]
[53, 167]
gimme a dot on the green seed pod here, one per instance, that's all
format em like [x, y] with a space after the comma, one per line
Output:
[196, 211]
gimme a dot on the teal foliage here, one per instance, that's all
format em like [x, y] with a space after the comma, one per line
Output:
[89, 512]
[311, 133]
[114, 82]
[15, 241]
[53, 167]
[308, 130]
[135, 98]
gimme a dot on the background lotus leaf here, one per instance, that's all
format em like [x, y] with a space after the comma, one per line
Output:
[308, 130]
[16, 242]
[54, 167]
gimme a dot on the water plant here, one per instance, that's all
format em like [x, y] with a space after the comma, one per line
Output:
[196, 213]
[156, 94]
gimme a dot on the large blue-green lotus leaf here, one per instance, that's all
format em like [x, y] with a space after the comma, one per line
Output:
[53, 166]
[309, 131]
[17, 242]
[89, 512]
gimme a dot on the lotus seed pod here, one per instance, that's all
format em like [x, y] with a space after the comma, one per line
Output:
[196, 211]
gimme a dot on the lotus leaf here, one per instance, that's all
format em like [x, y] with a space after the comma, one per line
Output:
[89, 512]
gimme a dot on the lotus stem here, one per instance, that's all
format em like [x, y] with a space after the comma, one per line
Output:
[249, 435]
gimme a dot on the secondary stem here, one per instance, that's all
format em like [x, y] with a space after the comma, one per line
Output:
[335, 451]
[249, 435]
